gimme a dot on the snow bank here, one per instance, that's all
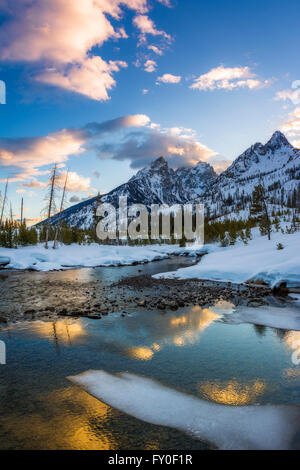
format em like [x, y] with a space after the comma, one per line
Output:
[228, 427]
[260, 259]
[37, 258]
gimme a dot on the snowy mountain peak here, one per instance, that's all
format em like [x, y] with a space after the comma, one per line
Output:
[277, 141]
[159, 162]
[276, 165]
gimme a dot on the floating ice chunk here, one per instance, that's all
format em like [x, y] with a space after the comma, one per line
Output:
[286, 317]
[228, 427]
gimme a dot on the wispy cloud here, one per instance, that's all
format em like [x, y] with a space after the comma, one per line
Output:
[167, 3]
[228, 78]
[155, 49]
[147, 26]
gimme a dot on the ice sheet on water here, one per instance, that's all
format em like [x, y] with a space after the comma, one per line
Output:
[228, 427]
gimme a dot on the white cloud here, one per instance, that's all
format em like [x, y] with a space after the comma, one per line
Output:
[24, 157]
[167, 3]
[147, 26]
[59, 36]
[228, 78]
[92, 77]
[145, 91]
[155, 49]
[292, 127]
[289, 95]
[169, 78]
[75, 181]
[29, 153]
[150, 66]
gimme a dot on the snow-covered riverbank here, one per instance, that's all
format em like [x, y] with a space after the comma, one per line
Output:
[260, 259]
[66, 256]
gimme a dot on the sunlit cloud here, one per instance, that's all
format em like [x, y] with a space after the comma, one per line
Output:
[169, 78]
[92, 77]
[155, 49]
[292, 127]
[150, 66]
[24, 157]
[75, 182]
[228, 78]
[146, 26]
[59, 37]
[289, 95]
[142, 147]
[29, 153]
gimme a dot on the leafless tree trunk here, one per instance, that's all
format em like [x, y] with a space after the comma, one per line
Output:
[51, 201]
[60, 210]
[3, 203]
[21, 211]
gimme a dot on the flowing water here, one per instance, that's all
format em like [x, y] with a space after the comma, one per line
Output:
[192, 350]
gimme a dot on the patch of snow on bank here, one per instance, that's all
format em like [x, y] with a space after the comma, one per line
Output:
[66, 256]
[228, 427]
[260, 259]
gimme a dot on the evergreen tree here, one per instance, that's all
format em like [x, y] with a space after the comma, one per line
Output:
[259, 209]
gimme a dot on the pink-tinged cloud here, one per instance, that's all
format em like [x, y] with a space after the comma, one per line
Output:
[75, 182]
[150, 66]
[228, 78]
[155, 49]
[292, 95]
[169, 78]
[26, 156]
[296, 143]
[40, 151]
[60, 34]
[92, 77]
[147, 26]
[140, 148]
[292, 126]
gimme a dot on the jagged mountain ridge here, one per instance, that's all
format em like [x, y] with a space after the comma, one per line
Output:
[276, 165]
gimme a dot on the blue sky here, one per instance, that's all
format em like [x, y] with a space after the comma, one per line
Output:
[222, 75]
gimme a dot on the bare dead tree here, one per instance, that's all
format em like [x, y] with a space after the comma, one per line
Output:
[61, 209]
[22, 211]
[4, 202]
[50, 201]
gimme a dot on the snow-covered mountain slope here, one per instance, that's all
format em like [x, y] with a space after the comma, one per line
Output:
[276, 165]
[156, 184]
